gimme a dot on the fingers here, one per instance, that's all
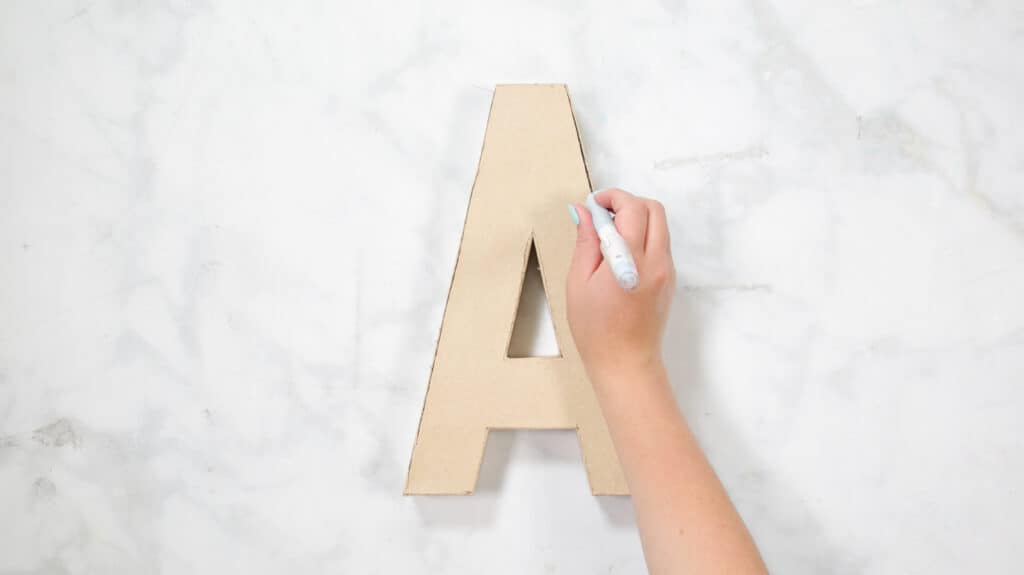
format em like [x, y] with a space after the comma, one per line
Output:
[657, 228]
[587, 255]
[631, 214]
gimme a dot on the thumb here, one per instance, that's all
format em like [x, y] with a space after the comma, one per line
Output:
[587, 256]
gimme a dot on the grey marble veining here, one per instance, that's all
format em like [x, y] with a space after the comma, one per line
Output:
[227, 231]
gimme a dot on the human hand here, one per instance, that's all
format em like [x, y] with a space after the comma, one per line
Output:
[616, 330]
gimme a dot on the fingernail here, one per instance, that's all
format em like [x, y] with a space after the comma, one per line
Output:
[572, 214]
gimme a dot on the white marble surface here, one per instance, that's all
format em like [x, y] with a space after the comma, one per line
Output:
[227, 230]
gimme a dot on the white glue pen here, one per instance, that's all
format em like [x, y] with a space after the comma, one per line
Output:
[613, 247]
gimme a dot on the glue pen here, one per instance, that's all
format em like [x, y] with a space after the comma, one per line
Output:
[613, 247]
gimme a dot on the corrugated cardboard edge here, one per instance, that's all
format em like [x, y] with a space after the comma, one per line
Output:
[579, 140]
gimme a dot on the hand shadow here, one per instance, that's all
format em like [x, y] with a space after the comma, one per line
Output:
[789, 536]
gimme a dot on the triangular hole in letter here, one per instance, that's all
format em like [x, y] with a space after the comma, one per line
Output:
[533, 333]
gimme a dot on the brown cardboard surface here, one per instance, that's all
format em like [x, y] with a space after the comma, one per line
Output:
[531, 167]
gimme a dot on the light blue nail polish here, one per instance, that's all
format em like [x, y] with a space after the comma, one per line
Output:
[572, 214]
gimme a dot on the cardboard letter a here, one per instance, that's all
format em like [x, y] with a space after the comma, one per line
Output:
[530, 168]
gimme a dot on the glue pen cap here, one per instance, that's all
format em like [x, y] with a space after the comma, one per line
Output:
[601, 216]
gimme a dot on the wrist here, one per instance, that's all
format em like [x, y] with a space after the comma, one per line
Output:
[627, 373]
[635, 396]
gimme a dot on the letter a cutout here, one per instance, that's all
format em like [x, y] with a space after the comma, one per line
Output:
[531, 167]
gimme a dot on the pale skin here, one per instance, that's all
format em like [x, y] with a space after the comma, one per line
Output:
[686, 521]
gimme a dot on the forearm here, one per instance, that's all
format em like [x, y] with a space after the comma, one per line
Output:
[687, 523]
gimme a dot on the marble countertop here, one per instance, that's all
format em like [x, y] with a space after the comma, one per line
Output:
[227, 230]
